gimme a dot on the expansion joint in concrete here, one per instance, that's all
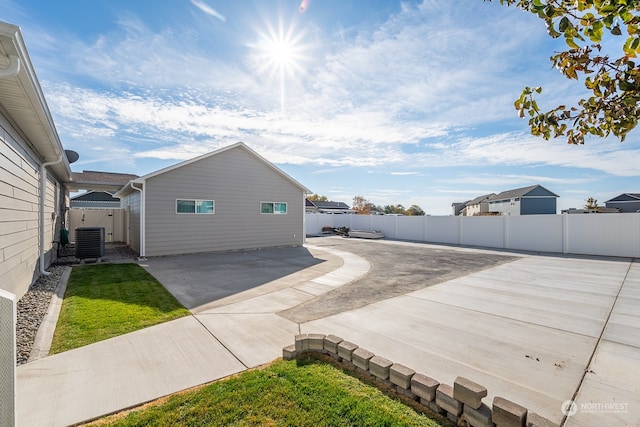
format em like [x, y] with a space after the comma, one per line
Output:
[221, 343]
[595, 347]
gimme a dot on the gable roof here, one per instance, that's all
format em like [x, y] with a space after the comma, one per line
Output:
[519, 192]
[625, 197]
[94, 199]
[95, 196]
[330, 205]
[236, 146]
[480, 199]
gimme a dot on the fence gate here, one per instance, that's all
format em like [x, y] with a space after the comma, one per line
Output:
[111, 219]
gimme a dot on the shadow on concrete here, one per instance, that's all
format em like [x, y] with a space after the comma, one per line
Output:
[198, 279]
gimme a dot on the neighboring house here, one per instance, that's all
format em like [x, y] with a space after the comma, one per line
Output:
[109, 182]
[596, 210]
[477, 206]
[626, 202]
[100, 185]
[33, 170]
[95, 200]
[317, 206]
[532, 200]
[457, 207]
[228, 199]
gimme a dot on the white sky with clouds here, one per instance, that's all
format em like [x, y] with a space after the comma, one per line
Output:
[399, 102]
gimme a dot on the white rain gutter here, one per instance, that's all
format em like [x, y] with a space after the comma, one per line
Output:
[142, 219]
[43, 196]
[13, 69]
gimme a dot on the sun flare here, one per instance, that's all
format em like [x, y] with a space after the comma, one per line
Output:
[280, 54]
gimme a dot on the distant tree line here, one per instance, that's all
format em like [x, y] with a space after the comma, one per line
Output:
[363, 206]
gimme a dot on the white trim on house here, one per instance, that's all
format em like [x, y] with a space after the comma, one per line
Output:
[26, 104]
[219, 151]
[35, 167]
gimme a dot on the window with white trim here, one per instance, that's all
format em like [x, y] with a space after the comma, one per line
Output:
[277, 208]
[195, 206]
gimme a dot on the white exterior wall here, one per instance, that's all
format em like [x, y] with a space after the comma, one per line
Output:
[505, 207]
[477, 209]
[19, 218]
[601, 234]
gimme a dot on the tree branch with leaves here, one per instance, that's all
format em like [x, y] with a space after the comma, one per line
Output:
[614, 83]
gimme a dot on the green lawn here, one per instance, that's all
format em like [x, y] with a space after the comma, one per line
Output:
[107, 300]
[307, 392]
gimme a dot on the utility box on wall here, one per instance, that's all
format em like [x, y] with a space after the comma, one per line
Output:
[7, 359]
[89, 242]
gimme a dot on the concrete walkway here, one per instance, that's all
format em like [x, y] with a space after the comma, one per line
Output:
[125, 371]
[539, 330]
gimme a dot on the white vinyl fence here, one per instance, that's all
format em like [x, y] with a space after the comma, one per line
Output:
[7, 358]
[113, 221]
[588, 234]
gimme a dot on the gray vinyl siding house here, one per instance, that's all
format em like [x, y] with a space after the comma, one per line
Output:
[626, 202]
[31, 160]
[532, 200]
[95, 200]
[247, 203]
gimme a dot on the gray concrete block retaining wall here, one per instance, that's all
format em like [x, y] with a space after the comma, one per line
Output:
[460, 403]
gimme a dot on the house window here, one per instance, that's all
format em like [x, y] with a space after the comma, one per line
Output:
[191, 206]
[278, 208]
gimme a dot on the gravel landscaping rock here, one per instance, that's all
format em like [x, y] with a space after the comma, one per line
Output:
[31, 309]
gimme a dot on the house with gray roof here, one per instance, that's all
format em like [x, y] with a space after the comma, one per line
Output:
[229, 199]
[477, 206]
[94, 200]
[457, 207]
[625, 202]
[316, 206]
[100, 181]
[531, 200]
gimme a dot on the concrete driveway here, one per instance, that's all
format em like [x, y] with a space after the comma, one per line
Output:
[531, 328]
[538, 330]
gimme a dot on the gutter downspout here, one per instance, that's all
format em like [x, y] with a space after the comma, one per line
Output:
[142, 220]
[43, 196]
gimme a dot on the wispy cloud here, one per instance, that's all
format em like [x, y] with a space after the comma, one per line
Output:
[429, 88]
[208, 10]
